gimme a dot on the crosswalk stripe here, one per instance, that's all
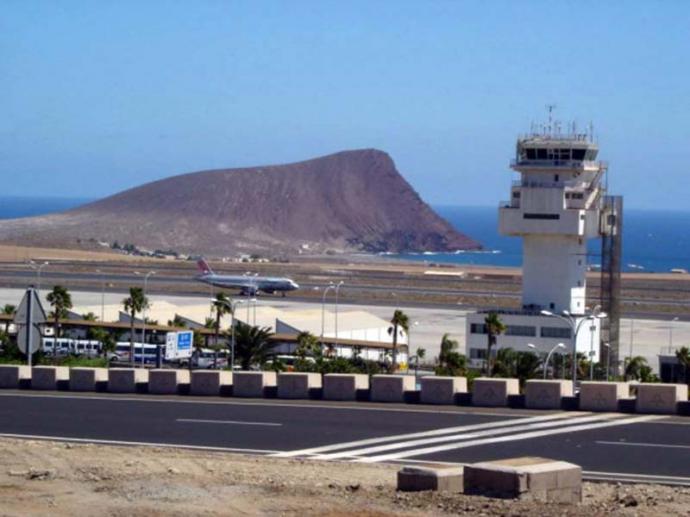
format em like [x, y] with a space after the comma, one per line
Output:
[421, 434]
[465, 436]
[501, 439]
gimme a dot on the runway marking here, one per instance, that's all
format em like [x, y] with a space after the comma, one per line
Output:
[135, 444]
[569, 423]
[258, 402]
[640, 444]
[421, 434]
[230, 422]
[502, 439]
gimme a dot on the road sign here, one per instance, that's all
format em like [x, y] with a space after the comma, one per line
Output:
[178, 345]
[28, 318]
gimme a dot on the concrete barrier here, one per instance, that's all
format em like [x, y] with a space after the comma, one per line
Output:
[167, 382]
[541, 394]
[391, 388]
[48, 377]
[660, 398]
[252, 384]
[442, 479]
[536, 479]
[441, 390]
[602, 396]
[296, 385]
[210, 382]
[344, 386]
[11, 375]
[125, 380]
[87, 379]
[493, 392]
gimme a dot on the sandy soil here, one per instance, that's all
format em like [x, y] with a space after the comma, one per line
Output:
[46, 478]
[10, 253]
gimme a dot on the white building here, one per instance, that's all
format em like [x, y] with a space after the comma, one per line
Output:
[555, 206]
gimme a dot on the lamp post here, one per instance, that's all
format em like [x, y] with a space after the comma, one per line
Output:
[39, 268]
[337, 291]
[143, 327]
[575, 328]
[608, 360]
[409, 349]
[592, 328]
[231, 304]
[323, 308]
[670, 335]
[102, 293]
[548, 357]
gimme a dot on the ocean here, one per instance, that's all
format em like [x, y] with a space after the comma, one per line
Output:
[654, 241]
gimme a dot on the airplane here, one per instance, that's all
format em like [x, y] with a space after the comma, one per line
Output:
[248, 285]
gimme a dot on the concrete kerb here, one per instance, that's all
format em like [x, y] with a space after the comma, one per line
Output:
[660, 398]
[529, 478]
[344, 386]
[602, 396]
[547, 394]
[441, 479]
[127, 380]
[493, 392]
[253, 384]
[167, 382]
[49, 377]
[88, 379]
[210, 382]
[391, 388]
[12, 375]
[441, 390]
[297, 385]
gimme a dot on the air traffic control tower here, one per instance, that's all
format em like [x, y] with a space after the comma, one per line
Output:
[557, 205]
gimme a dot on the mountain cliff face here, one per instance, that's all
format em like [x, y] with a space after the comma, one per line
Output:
[348, 201]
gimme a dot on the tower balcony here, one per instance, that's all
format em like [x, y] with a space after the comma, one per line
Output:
[516, 220]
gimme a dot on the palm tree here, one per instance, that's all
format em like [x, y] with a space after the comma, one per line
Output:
[252, 345]
[527, 366]
[222, 306]
[450, 361]
[177, 321]
[494, 328]
[309, 353]
[136, 302]
[400, 321]
[105, 338]
[505, 363]
[634, 367]
[61, 301]
[89, 316]
[8, 310]
[683, 356]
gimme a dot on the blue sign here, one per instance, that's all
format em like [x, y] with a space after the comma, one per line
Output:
[185, 341]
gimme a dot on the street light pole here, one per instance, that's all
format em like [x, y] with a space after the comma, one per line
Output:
[548, 357]
[337, 291]
[38, 268]
[670, 335]
[143, 327]
[608, 360]
[323, 308]
[231, 304]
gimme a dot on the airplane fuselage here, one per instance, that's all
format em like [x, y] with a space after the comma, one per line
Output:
[250, 284]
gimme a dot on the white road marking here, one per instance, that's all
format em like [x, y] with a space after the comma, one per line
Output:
[138, 444]
[434, 432]
[231, 422]
[640, 444]
[189, 399]
[455, 437]
[501, 439]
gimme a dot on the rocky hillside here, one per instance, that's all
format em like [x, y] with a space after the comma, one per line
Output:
[348, 201]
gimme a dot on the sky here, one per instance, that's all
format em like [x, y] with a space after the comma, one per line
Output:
[96, 97]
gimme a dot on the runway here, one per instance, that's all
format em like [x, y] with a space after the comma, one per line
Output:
[607, 446]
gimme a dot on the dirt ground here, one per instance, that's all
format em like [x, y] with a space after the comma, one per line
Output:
[62, 479]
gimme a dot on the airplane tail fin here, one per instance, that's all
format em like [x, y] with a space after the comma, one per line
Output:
[204, 267]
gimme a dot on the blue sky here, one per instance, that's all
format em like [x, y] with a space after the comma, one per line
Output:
[100, 96]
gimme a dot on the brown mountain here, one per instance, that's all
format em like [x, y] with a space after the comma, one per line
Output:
[352, 200]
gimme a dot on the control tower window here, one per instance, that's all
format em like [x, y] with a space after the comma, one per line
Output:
[579, 154]
[541, 154]
[531, 154]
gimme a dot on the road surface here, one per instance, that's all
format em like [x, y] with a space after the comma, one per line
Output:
[608, 446]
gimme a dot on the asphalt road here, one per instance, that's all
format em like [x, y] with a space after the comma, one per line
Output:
[607, 446]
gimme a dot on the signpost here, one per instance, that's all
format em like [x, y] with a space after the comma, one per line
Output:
[28, 319]
[178, 345]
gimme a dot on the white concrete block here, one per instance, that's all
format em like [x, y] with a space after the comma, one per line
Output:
[602, 396]
[209, 382]
[441, 479]
[252, 384]
[125, 380]
[344, 386]
[529, 478]
[494, 392]
[12, 374]
[47, 377]
[660, 398]
[391, 388]
[296, 385]
[167, 382]
[441, 390]
[86, 379]
[540, 394]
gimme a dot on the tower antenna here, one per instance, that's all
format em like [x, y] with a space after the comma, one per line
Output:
[550, 108]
